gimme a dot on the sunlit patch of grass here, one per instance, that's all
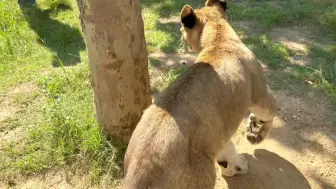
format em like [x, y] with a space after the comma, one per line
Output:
[273, 54]
[68, 132]
[58, 118]
[323, 72]
[286, 13]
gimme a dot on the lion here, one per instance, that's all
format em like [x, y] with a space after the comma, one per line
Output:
[188, 129]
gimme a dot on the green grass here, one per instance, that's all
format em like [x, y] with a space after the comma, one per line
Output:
[269, 14]
[67, 132]
[273, 54]
[58, 114]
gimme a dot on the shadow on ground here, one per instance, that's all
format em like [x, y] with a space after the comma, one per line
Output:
[65, 41]
[268, 170]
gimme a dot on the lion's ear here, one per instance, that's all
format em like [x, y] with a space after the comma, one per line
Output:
[188, 17]
[222, 3]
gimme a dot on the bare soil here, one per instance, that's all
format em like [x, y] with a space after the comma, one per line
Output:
[299, 152]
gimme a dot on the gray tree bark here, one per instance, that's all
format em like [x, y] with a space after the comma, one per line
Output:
[118, 58]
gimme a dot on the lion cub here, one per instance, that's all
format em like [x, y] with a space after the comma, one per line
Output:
[187, 130]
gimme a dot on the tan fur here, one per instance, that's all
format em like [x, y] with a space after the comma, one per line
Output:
[189, 126]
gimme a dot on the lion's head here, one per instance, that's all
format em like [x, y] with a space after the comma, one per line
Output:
[194, 20]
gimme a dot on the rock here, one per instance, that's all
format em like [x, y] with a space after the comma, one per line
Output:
[295, 117]
[183, 62]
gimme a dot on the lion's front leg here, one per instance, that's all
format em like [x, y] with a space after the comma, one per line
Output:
[257, 129]
[261, 118]
[231, 163]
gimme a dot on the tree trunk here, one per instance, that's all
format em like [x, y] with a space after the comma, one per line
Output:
[117, 50]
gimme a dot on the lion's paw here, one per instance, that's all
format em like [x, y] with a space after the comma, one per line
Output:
[232, 168]
[256, 129]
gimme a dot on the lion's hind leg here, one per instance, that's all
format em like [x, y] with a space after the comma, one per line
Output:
[231, 163]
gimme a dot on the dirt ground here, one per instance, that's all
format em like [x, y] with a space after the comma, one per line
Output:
[299, 153]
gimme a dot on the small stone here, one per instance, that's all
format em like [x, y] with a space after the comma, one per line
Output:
[309, 82]
[295, 117]
[183, 62]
